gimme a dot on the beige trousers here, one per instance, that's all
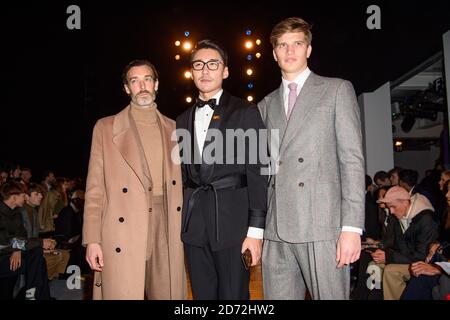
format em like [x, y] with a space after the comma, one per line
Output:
[395, 278]
[157, 275]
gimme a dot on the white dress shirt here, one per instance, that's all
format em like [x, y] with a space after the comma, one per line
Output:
[300, 80]
[201, 123]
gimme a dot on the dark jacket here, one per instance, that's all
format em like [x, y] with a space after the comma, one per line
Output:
[68, 224]
[241, 200]
[372, 228]
[11, 226]
[31, 225]
[412, 246]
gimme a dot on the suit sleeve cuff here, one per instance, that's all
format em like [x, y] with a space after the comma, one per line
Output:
[256, 233]
[352, 229]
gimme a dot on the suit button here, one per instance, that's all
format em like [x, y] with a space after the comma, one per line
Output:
[174, 182]
[300, 160]
[178, 208]
[150, 210]
[150, 189]
[301, 184]
[121, 219]
[124, 190]
[118, 250]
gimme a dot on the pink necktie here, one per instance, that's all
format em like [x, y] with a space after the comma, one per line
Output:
[292, 97]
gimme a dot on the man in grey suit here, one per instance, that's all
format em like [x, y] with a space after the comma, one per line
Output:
[316, 193]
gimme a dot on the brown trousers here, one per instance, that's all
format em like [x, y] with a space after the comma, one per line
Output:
[157, 276]
[56, 263]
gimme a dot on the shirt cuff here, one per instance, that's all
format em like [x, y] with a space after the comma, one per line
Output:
[352, 229]
[256, 233]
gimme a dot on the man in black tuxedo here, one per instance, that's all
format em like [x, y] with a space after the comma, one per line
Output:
[225, 187]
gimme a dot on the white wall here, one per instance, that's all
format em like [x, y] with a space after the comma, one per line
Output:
[377, 129]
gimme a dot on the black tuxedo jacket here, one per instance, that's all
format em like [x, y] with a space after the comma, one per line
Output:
[222, 200]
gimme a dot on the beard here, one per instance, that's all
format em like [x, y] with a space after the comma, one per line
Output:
[142, 100]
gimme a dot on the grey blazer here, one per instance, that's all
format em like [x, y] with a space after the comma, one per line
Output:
[317, 181]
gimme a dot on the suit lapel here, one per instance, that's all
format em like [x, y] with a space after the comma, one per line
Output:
[308, 97]
[126, 138]
[276, 113]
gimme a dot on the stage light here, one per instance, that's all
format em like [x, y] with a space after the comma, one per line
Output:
[188, 99]
[249, 57]
[258, 55]
[248, 44]
[258, 42]
[250, 98]
[187, 74]
[249, 71]
[177, 57]
[398, 143]
[187, 46]
[186, 33]
[177, 43]
[250, 85]
[248, 32]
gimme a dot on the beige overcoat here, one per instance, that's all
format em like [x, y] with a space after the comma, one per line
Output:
[118, 204]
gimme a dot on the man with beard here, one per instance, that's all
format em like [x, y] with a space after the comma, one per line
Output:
[132, 212]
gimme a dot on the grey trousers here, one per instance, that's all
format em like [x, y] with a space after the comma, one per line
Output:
[291, 269]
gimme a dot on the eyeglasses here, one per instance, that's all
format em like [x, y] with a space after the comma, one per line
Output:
[212, 65]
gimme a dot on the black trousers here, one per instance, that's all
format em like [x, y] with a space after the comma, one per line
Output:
[217, 275]
[35, 270]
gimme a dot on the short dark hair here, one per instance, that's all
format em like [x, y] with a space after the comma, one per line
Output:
[376, 194]
[34, 187]
[11, 188]
[210, 44]
[380, 175]
[138, 63]
[408, 176]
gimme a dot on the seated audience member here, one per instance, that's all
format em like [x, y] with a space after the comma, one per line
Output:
[426, 275]
[386, 222]
[413, 234]
[381, 179]
[56, 260]
[393, 176]
[17, 255]
[68, 229]
[371, 225]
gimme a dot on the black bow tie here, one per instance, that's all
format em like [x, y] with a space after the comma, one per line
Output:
[199, 103]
